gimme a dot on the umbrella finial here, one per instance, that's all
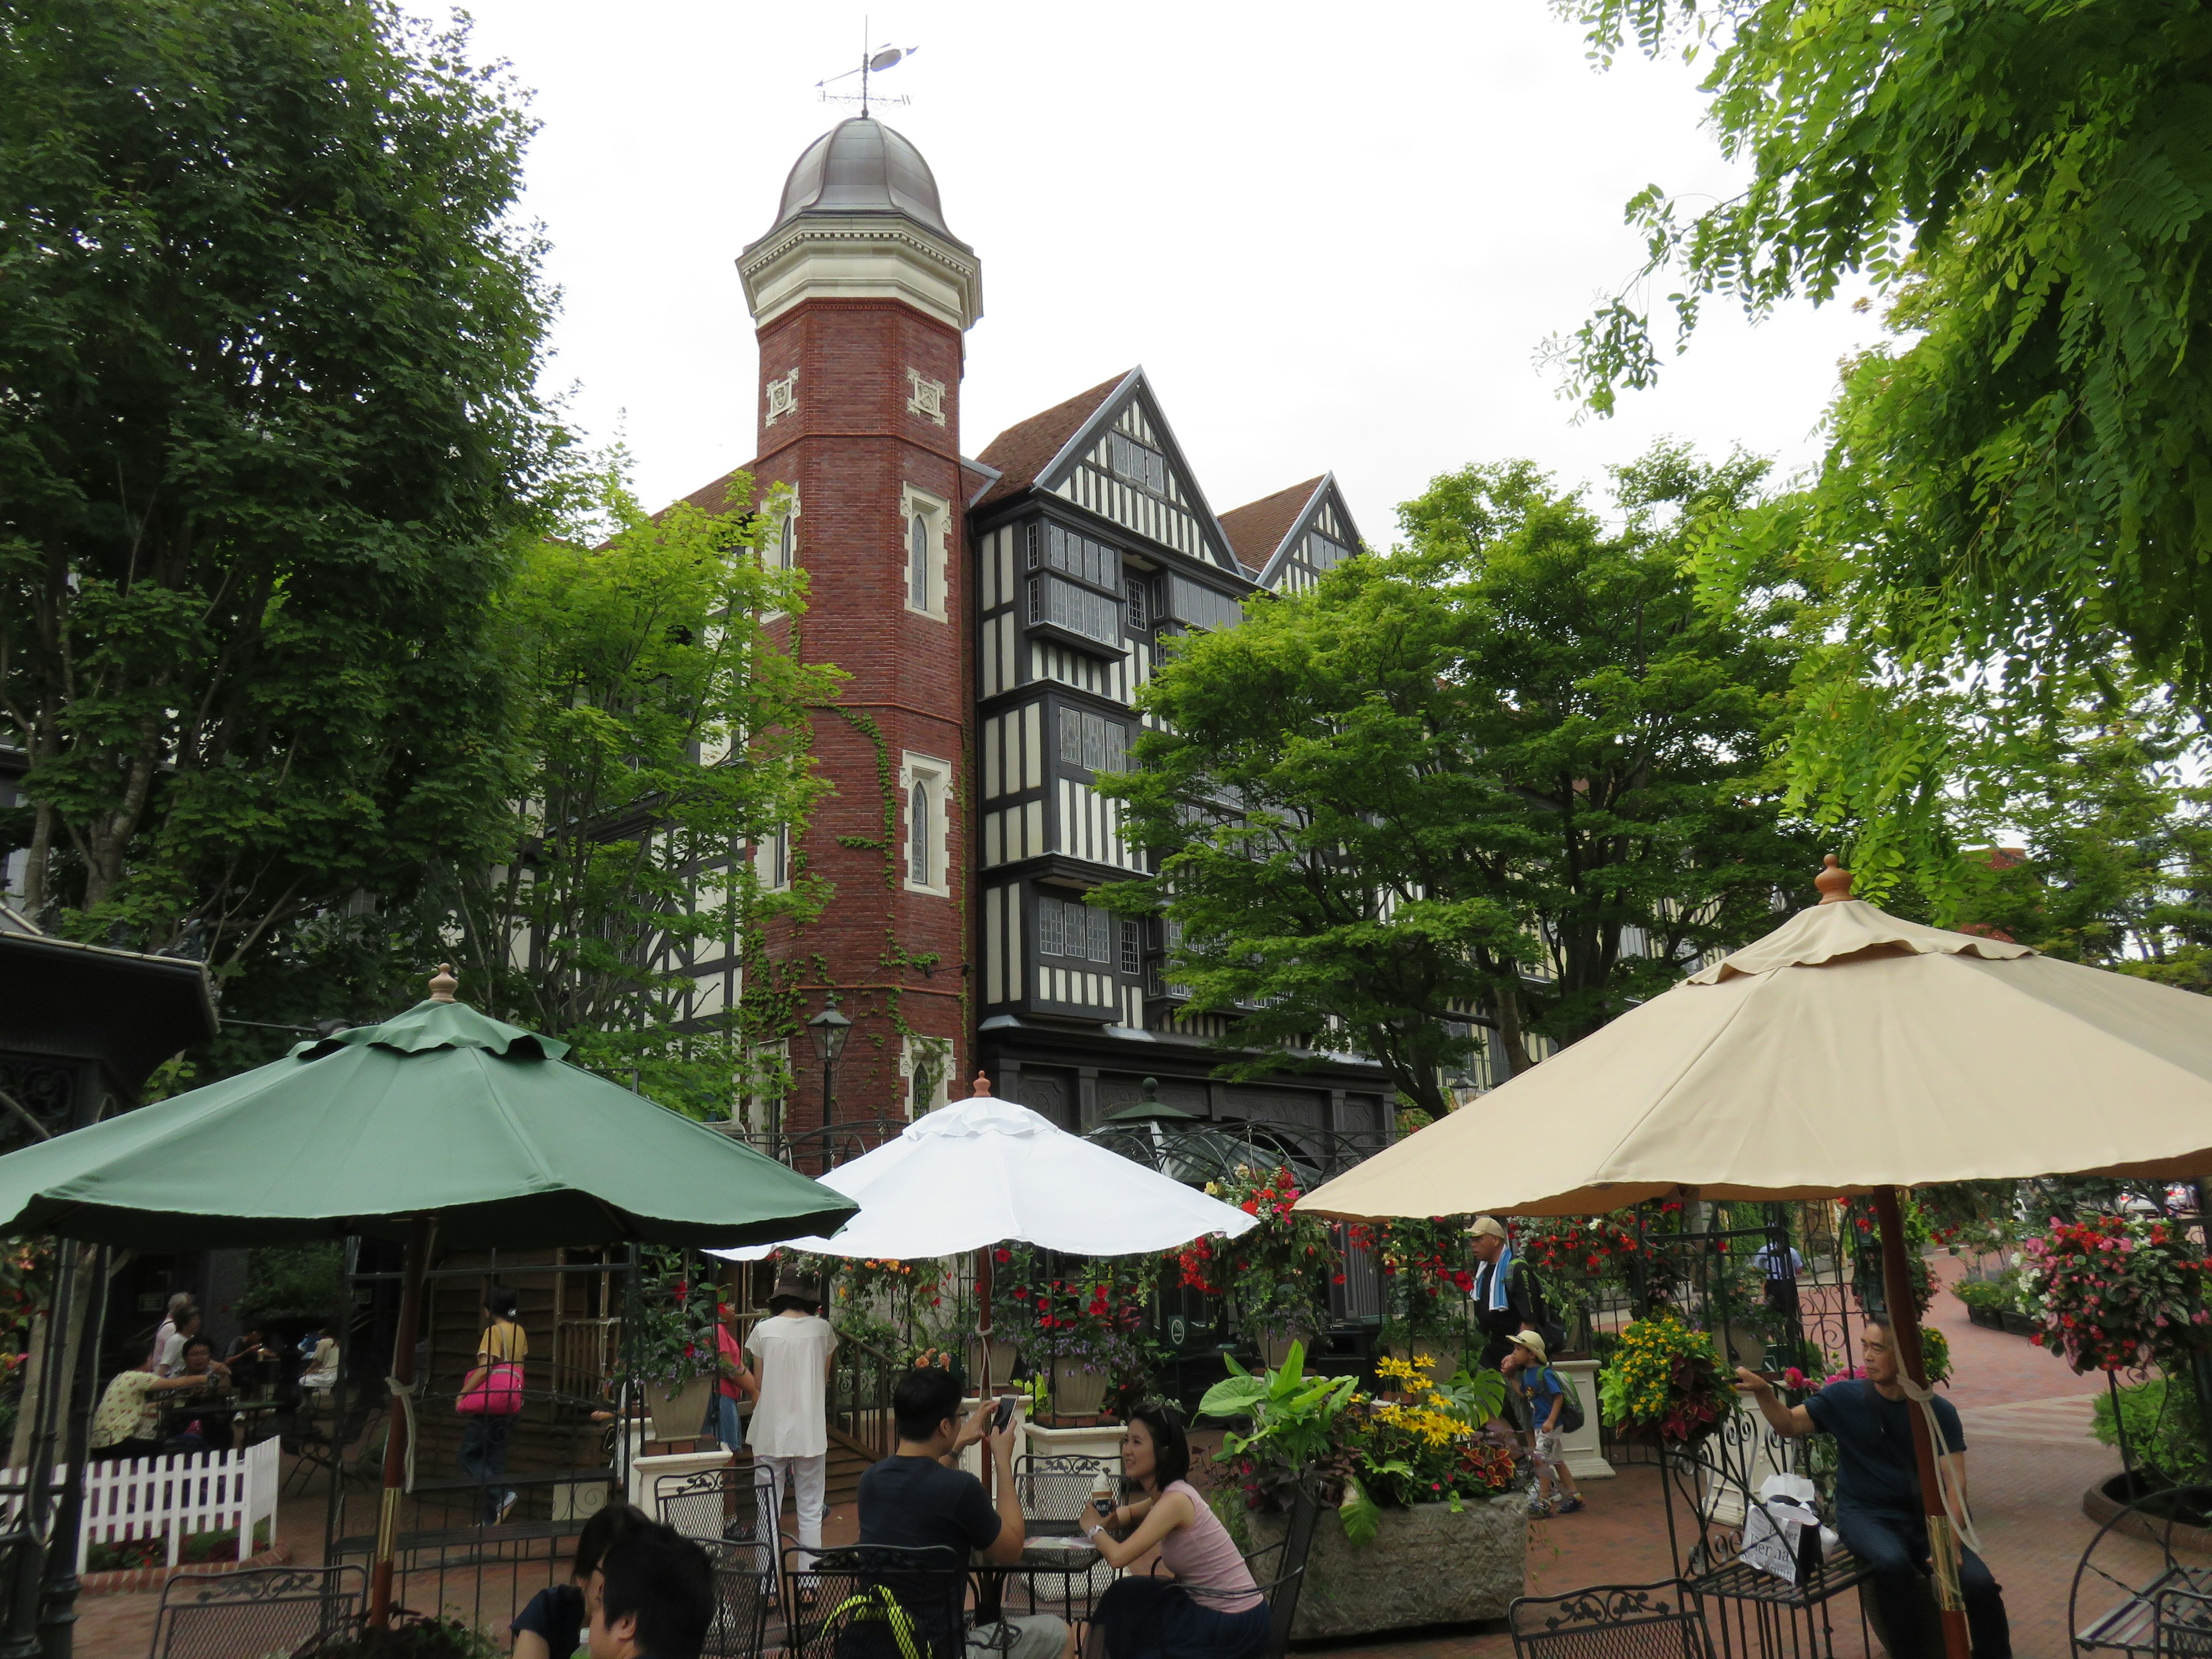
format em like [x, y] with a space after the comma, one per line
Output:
[443, 984]
[983, 1087]
[1833, 881]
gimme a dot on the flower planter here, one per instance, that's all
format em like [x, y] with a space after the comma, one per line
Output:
[2018, 1323]
[679, 1410]
[1987, 1318]
[1274, 1350]
[1426, 1566]
[1077, 1392]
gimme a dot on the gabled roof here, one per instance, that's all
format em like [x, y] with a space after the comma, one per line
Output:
[1258, 528]
[716, 497]
[1028, 447]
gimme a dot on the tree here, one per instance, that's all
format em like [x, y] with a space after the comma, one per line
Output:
[268, 448]
[2028, 185]
[661, 732]
[1517, 765]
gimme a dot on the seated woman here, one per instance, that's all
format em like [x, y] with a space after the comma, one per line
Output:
[555, 1623]
[1211, 1609]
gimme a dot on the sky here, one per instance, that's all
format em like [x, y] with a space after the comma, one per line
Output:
[1336, 238]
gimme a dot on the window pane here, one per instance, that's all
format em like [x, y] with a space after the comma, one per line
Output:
[1101, 928]
[1070, 737]
[1133, 946]
[1048, 911]
[918, 561]
[1076, 609]
[1117, 747]
[917, 814]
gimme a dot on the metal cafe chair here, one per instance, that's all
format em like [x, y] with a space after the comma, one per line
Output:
[1661, 1621]
[724, 1509]
[265, 1610]
[874, 1601]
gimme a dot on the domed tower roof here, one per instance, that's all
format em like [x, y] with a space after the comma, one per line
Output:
[862, 165]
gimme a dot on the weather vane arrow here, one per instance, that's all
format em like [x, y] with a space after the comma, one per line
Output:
[872, 62]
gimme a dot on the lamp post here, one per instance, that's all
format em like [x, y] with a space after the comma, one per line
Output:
[828, 1030]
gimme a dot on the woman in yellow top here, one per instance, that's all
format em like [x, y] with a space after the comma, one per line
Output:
[490, 1396]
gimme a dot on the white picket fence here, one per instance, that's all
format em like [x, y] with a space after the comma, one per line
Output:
[169, 1497]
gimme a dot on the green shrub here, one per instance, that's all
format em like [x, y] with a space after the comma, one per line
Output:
[293, 1281]
[2163, 1430]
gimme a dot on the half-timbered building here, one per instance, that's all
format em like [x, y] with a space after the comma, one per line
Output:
[998, 615]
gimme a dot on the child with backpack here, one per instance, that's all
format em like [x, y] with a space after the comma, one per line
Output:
[1553, 1414]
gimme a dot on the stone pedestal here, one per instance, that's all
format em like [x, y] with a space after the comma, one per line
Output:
[1584, 1461]
[645, 1470]
[1102, 1441]
[1426, 1566]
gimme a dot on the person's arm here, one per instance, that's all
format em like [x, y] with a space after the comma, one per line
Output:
[1128, 1515]
[484, 1359]
[977, 1426]
[1792, 1422]
[529, 1644]
[1168, 1512]
[1552, 1417]
[1013, 1532]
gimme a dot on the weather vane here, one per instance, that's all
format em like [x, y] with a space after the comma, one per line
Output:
[872, 62]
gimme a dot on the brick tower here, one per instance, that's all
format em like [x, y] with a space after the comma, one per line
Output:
[860, 296]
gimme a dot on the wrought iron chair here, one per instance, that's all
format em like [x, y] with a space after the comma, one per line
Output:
[725, 1510]
[1279, 1572]
[1054, 1489]
[266, 1610]
[1663, 1620]
[874, 1601]
[347, 1417]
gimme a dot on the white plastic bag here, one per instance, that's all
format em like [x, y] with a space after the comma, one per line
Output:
[1774, 1526]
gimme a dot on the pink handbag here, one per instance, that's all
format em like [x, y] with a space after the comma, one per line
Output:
[498, 1392]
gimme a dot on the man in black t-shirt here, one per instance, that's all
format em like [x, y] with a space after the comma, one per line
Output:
[1879, 1507]
[919, 1496]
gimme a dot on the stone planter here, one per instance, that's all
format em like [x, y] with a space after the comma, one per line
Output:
[2018, 1323]
[1274, 1350]
[1077, 1392]
[678, 1412]
[1426, 1566]
[1987, 1318]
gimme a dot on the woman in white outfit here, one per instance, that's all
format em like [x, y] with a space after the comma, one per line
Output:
[790, 1434]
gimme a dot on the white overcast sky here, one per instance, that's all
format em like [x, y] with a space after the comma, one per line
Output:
[1334, 236]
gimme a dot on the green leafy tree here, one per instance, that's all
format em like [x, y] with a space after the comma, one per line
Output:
[2027, 186]
[660, 732]
[1518, 766]
[268, 332]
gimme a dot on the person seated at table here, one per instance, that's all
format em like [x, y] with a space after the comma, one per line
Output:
[552, 1626]
[178, 1305]
[919, 1497]
[1211, 1609]
[172, 1351]
[321, 1374]
[1881, 1510]
[249, 1361]
[128, 1422]
[653, 1597]
[201, 1430]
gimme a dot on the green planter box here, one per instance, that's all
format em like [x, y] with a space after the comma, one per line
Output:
[1426, 1566]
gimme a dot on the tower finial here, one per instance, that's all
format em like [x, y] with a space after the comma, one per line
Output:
[1833, 881]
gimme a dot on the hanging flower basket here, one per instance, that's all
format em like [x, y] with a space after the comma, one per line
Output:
[1666, 1379]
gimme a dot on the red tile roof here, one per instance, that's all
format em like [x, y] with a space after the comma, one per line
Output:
[1023, 450]
[1256, 529]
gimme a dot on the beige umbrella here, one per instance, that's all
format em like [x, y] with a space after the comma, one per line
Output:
[1846, 1052]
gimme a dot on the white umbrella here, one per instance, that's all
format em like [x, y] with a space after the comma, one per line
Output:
[984, 1171]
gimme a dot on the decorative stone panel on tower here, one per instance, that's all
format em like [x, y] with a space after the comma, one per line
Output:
[860, 294]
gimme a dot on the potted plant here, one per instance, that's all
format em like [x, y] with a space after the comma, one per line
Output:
[677, 1348]
[412, 1636]
[2118, 1293]
[1664, 1381]
[1414, 1481]
[1080, 1329]
[1277, 1274]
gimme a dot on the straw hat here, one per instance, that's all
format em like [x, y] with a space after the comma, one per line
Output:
[1535, 1344]
[1486, 1226]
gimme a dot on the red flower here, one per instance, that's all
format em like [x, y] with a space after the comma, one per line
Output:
[1002, 1254]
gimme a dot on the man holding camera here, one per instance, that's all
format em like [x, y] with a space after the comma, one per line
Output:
[919, 1496]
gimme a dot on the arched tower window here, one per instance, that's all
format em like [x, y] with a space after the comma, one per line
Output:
[917, 561]
[918, 835]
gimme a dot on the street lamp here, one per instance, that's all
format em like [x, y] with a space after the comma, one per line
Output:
[828, 1030]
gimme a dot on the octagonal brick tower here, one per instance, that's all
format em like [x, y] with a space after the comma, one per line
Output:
[860, 296]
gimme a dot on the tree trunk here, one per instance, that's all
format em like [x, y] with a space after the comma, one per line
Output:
[1512, 1042]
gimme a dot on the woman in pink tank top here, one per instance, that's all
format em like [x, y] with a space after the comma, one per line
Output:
[1210, 1608]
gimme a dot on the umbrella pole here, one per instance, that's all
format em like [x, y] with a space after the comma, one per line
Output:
[983, 1349]
[395, 1439]
[1905, 1332]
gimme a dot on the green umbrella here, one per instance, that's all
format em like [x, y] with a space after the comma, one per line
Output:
[442, 1112]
